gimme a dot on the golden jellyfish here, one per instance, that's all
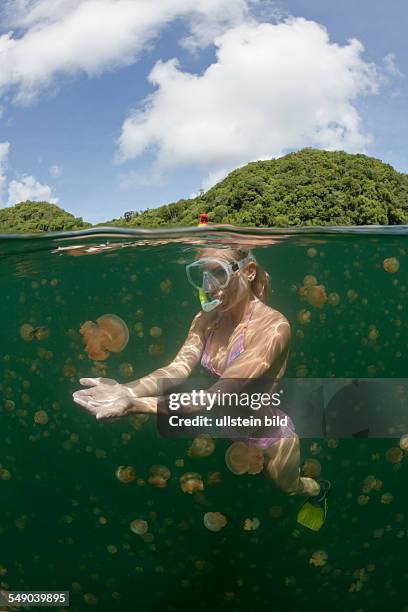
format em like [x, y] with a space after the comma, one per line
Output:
[139, 329]
[126, 370]
[27, 332]
[304, 317]
[319, 558]
[386, 498]
[202, 446]
[251, 524]
[110, 334]
[214, 521]
[41, 333]
[309, 280]
[214, 478]
[391, 265]
[312, 252]
[363, 500]
[404, 442]
[158, 476]
[155, 350]
[166, 286]
[243, 459]
[41, 417]
[276, 511]
[156, 331]
[191, 482]
[316, 295]
[139, 526]
[394, 455]
[90, 599]
[125, 473]
[312, 468]
[333, 299]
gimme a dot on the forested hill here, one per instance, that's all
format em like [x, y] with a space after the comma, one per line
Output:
[310, 187]
[31, 217]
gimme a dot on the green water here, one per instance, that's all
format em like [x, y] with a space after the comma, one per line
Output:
[64, 516]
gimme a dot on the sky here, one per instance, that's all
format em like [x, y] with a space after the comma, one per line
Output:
[108, 106]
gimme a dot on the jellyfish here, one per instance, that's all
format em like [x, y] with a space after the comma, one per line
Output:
[312, 252]
[109, 334]
[391, 265]
[191, 482]
[404, 442]
[155, 350]
[236, 458]
[386, 498]
[156, 331]
[319, 558]
[158, 476]
[241, 458]
[394, 455]
[41, 417]
[251, 524]
[166, 286]
[41, 333]
[90, 599]
[125, 473]
[333, 299]
[202, 446]
[139, 329]
[304, 317]
[126, 370]
[214, 478]
[316, 295]
[139, 526]
[214, 521]
[312, 468]
[27, 332]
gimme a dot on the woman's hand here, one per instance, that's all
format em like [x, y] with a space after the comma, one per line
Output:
[106, 399]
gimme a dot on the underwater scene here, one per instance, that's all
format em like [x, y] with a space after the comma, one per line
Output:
[124, 519]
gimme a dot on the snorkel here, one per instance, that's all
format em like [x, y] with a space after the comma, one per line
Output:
[206, 303]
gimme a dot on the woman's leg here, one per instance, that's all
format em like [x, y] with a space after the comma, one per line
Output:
[283, 466]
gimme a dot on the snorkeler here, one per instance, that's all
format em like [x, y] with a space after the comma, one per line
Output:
[235, 336]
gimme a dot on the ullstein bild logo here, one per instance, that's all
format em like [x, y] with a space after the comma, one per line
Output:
[262, 408]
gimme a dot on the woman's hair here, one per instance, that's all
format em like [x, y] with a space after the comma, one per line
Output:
[261, 285]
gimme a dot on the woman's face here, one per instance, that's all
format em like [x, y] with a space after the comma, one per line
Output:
[240, 281]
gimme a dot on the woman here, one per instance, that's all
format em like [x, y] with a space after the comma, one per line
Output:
[236, 336]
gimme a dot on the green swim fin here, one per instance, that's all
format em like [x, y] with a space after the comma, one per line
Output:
[312, 513]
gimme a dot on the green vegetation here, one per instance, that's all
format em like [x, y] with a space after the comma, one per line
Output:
[32, 217]
[310, 187]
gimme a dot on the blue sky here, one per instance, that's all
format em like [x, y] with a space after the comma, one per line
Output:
[116, 105]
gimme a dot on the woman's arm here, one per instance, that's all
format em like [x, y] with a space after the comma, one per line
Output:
[268, 347]
[181, 366]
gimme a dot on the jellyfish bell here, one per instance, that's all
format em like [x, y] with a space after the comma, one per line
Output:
[191, 482]
[236, 458]
[214, 521]
[27, 332]
[391, 265]
[158, 476]
[202, 446]
[115, 332]
[125, 474]
[139, 526]
[109, 334]
[316, 295]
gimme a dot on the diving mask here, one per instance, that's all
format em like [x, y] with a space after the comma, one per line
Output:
[210, 274]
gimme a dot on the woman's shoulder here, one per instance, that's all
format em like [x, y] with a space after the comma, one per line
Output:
[270, 315]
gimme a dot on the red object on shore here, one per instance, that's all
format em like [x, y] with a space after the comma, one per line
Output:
[203, 219]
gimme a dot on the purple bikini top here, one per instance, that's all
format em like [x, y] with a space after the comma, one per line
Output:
[236, 349]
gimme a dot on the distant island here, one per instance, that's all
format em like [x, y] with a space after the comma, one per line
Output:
[309, 187]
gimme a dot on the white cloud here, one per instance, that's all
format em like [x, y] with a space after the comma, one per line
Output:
[90, 36]
[391, 66]
[4, 151]
[56, 171]
[273, 88]
[28, 188]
